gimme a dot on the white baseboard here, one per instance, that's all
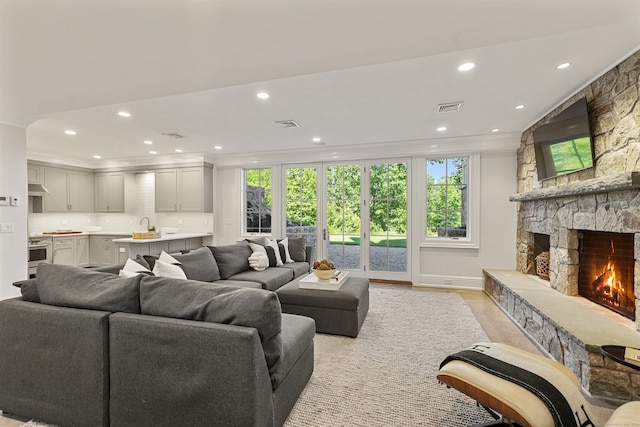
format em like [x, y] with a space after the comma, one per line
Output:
[450, 282]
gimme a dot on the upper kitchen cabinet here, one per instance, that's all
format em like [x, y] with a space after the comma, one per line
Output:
[34, 174]
[69, 190]
[113, 192]
[184, 190]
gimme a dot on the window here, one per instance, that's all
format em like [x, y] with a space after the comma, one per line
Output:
[258, 196]
[447, 198]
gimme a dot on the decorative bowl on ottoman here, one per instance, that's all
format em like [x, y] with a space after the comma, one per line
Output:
[323, 274]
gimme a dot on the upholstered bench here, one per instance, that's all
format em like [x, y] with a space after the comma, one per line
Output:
[339, 312]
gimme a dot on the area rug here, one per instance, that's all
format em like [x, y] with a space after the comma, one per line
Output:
[387, 375]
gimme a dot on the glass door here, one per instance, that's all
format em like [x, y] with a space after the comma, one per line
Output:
[343, 216]
[388, 219]
[301, 205]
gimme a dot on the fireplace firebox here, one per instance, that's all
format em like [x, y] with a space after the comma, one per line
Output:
[606, 274]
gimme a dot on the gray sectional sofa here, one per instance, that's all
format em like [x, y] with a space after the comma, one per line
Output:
[90, 348]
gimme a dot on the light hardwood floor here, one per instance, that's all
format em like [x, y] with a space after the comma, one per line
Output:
[497, 326]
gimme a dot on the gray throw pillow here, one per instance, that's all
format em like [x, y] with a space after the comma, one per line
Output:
[67, 286]
[297, 249]
[28, 289]
[187, 299]
[199, 264]
[232, 259]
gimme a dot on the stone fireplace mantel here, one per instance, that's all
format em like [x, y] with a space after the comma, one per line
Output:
[605, 184]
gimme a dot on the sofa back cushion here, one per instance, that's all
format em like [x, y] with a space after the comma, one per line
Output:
[199, 264]
[28, 289]
[297, 249]
[232, 259]
[186, 299]
[67, 286]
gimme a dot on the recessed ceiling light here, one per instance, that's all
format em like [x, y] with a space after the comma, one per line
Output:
[153, 152]
[70, 132]
[434, 146]
[441, 129]
[466, 66]
[262, 95]
[520, 107]
[97, 156]
[217, 147]
[177, 150]
[316, 139]
[124, 114]
[563, 65]
[148, 142]
[495, 130]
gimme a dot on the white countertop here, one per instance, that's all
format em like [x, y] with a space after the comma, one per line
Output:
[164, 237]
[84, 233]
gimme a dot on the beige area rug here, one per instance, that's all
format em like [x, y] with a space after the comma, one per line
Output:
[387, 376]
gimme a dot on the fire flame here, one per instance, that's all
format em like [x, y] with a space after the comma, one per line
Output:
[607, 285]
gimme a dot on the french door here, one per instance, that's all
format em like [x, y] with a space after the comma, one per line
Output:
[354, 214]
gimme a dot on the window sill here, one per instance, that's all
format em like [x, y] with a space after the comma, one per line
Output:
[450, 243]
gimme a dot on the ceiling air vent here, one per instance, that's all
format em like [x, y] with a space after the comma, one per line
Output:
[287, 123]
[449, 107]
[174, 135]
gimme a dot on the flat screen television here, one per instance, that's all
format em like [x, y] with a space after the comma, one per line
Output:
[564, 144]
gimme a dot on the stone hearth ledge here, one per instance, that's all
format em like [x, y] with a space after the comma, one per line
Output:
[570, 329]
[603, 184]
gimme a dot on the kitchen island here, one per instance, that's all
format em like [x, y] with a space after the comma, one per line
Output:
[170, 243]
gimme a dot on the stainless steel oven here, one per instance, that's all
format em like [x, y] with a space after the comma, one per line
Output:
[39, 252]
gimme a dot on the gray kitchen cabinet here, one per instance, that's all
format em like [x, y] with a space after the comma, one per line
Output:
[184, 190]
[34, 174]
[110, 192]
[82, 251]
[102, 250]
[69, 190]
[64, 250]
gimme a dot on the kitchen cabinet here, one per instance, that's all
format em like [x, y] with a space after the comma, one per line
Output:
[64, 250]
[82, 251]
[105, 252]
[184, 190]
[34, 174]
[109, 190]
[69, 190]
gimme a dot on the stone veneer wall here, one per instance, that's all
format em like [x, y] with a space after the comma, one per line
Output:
[614, 111]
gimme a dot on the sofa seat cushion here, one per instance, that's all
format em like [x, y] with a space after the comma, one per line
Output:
[75, 287]
[239, 283]
[297, 334]
[199, 264]
[299, 268]
[271, 279]
[232, 259]
[208, 302]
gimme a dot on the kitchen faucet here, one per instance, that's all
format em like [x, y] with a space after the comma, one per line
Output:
[149, 226]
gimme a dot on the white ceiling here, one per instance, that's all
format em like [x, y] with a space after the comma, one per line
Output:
[353, 72]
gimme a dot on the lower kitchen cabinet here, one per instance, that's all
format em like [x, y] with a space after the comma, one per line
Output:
[105, 252]
[82, 251]
[64, 250]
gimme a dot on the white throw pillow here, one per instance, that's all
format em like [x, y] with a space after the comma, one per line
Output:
[259, 261]
[165, 257]
[131, 268]
[274, 244]
[258, 248]
[285, 244]
[164, 269]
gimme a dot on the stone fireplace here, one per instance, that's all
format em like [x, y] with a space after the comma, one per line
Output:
[558, 215]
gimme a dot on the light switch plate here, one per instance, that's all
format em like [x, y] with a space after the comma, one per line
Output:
[4, 201]
[14, 200]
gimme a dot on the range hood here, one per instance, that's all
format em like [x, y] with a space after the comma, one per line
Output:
[36, 190]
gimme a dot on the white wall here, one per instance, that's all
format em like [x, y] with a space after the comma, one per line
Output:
[498, 222]
[460, 268]
[13, 182]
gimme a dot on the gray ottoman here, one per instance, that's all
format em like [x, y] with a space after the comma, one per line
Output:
[340, 312]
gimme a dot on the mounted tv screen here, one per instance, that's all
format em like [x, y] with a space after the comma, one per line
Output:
[564, 144]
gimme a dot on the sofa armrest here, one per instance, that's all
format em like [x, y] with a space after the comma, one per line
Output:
[54, 363]
[308, 250]
[182, 372]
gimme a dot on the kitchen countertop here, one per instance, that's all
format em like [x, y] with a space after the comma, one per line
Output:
[83, 233]
[165, 237]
